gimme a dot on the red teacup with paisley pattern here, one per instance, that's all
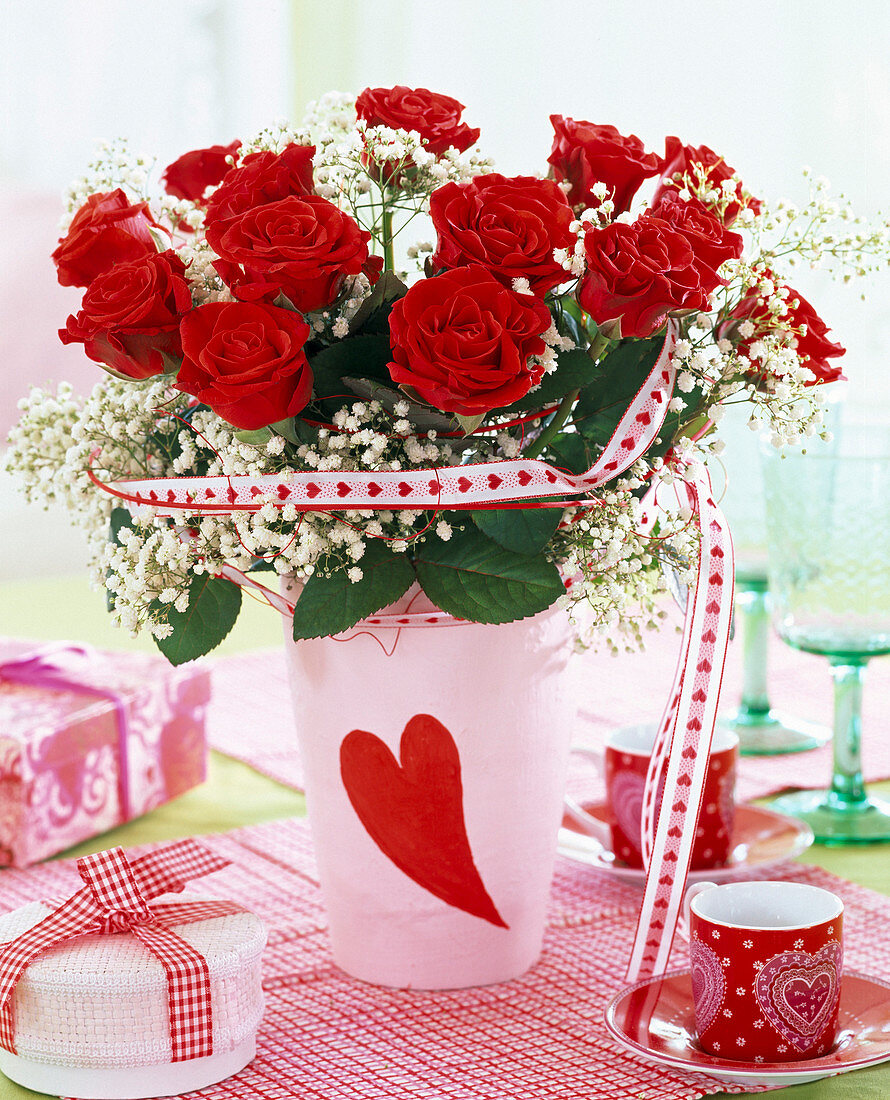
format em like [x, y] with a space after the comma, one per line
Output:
[767, 960]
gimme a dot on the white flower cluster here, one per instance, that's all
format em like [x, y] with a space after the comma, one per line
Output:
[824, 232]
[112, 166]
[617, 571]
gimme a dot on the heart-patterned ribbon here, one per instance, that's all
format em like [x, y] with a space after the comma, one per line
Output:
[114, 899]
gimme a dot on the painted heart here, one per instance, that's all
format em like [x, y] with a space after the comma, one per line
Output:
[494, 481]
[404, 489]
[627, 442]
[413, 810]
[643, 418]
[798, 993]
[435, 487]
[312, 490]
[256, 491]
[708, 984]
[626, 791]
[464, 483]
[524, 477]
[283, 492]
[343, 489]
[374, 489]
[231, 495]
[208, 493]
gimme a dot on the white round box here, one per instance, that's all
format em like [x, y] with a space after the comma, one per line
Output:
[92, 1018]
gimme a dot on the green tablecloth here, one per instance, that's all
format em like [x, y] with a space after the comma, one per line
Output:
[236, 795]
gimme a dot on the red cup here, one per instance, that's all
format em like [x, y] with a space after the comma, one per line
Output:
[766, 961]
[625, 763]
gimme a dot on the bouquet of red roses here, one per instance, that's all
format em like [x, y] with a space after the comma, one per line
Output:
[262, 316]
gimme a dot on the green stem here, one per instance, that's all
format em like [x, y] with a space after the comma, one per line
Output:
[559, 418]
[388, 264]
[598, 345]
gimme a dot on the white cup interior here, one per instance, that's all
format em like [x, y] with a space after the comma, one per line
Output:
[767, 905]
[639, 740]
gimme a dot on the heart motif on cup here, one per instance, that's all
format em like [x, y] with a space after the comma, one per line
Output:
[413, 810]
[626, 791]
[708, 984]
[798, 993]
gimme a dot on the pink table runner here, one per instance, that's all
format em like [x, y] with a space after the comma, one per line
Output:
[541, 1037]
[251, 719]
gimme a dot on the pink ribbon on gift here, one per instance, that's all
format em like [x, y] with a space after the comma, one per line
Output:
[116, 899]
[55, 666]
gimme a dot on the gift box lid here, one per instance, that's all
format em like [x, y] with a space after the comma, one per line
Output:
[170, 983]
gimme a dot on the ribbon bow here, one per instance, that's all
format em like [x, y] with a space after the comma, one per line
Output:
[114, 899]
[55, 666]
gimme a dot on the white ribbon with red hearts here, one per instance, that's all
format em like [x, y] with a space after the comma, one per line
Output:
[687, 726]
[684, 739]
[480, 485]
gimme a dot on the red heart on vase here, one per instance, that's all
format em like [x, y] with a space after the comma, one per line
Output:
[413, 810]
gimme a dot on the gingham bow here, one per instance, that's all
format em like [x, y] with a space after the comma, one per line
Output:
[116, 899]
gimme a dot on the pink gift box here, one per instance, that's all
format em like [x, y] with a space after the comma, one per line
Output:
[75, 762]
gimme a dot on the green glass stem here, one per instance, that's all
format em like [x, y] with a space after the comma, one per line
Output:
[752, 601]
[847, 784]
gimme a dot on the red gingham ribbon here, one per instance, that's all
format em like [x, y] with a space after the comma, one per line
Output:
[115, 899]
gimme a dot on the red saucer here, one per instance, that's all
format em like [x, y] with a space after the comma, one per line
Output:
[760, 838]
[655, 1020]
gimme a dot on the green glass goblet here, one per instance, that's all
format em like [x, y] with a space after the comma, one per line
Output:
[828, 530]
[761, 730]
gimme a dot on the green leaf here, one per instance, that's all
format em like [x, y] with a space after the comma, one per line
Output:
[619, 376]
[574, 370]
[258, 438]
[372, 315]
[474, 578]
[120, 518]
[328, 605]
[568, 451]
[469, 423]
[423, 417]
[522, 530]
[358, 356]
[213, 608]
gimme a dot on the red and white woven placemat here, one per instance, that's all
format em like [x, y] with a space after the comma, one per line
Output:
[251, 716]
[541, 1037]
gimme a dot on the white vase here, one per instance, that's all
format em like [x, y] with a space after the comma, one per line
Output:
[435, 826]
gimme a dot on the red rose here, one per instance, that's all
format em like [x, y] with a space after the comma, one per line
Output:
[637, 274]
[190, 175]
[246, 361]
[300, 247]
[129, 320]
[262, 178]
[462, 341]
[809, 333]
[711, 242]
[680, 158]
[434, 116]
[510, 226]
[584, 154]
[105, 231]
